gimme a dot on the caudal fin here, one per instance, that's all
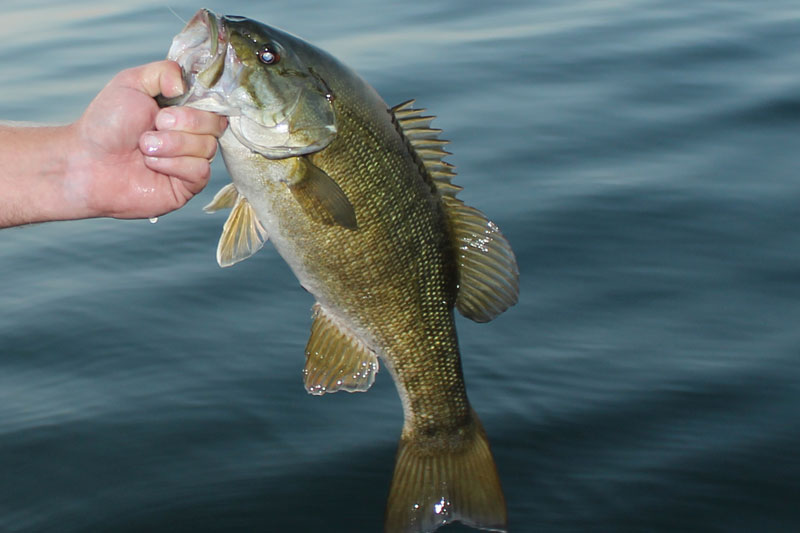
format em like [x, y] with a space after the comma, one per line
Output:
[436, 485]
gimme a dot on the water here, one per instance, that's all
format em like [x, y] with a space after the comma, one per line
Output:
[641, 156]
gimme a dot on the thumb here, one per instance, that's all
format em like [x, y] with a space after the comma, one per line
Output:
[160, 77]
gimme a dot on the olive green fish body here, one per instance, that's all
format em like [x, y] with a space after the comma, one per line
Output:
[393, 281]
[355, 197]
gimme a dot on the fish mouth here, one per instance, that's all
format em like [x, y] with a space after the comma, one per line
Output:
[200, 49]
[278, 114]
[205, 47]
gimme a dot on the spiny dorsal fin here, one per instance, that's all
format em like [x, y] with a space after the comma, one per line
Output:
[336, 359]
[427, 145]
[242, 235]
[487, 269]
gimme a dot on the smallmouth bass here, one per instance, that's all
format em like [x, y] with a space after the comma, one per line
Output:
[357, 199]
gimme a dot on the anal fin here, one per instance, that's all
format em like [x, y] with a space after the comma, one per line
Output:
[335, 359]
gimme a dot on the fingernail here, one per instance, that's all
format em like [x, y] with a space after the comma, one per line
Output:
[165, 120]
[151, 143]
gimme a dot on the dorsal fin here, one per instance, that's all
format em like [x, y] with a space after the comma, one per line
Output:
[487, 269]
[488, 276]
[427, 145]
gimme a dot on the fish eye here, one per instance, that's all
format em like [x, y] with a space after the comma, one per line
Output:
[268, 55]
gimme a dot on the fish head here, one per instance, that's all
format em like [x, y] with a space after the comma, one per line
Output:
[277, 104]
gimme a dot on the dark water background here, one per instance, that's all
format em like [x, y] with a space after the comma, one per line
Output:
[643, 157]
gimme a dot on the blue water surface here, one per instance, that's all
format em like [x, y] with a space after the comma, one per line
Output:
[643, 158]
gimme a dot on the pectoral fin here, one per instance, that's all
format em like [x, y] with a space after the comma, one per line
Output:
[320, 197]
[242, 235]
[336, 359]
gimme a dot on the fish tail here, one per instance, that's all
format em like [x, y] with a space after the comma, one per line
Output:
[436, 485]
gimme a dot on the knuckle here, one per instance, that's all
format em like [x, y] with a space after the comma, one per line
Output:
[205, 171]
[125, 77]
[169, 66]
[212, 147]
[190, 122]
[222, 124]
[176, 143]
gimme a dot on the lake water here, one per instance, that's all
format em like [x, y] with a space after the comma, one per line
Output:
[643, 158]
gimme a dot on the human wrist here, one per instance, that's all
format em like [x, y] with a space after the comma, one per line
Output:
[35, 174]
[78, 181]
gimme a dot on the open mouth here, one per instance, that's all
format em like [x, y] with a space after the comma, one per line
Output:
[199, 49]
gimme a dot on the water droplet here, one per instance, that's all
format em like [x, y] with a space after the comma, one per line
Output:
[441, 508]
[153, 220]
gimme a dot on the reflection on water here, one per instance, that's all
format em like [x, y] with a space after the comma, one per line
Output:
[641, 158]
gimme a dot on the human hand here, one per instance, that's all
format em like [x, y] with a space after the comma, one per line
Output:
[131, 159]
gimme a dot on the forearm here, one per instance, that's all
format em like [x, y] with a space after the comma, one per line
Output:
[36, 181]
[123, 158]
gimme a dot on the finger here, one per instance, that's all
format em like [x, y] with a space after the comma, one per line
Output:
[161, 77]
[177, 144]
[193, 172]
[191, 120]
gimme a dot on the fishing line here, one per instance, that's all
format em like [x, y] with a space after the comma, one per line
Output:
[174, 13]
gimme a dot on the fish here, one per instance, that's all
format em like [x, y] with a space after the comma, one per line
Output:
[357, 198]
